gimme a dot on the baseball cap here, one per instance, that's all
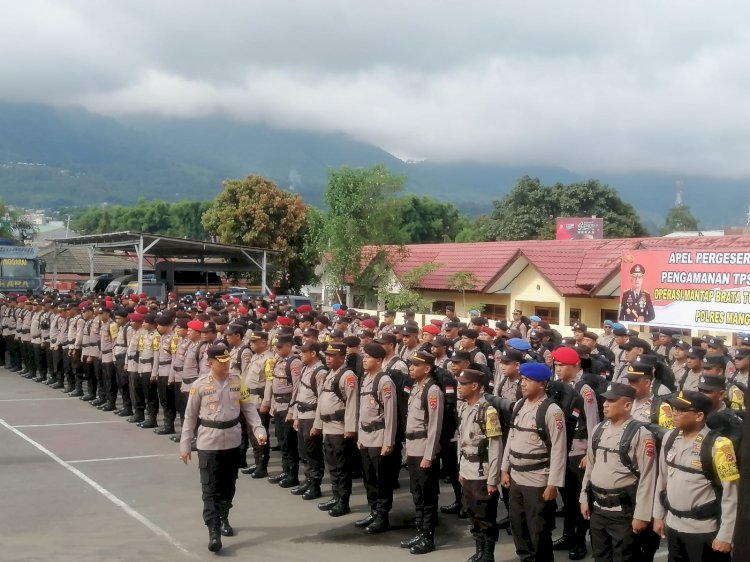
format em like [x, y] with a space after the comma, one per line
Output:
[218, 352]
[690, 400]
[618, 390]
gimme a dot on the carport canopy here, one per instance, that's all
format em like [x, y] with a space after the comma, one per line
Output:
[169, 247]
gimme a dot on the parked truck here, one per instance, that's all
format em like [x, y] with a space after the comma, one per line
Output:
[20, 269]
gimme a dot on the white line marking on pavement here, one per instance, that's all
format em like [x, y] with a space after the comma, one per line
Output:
[35, 399]
[103, 491]
[64, 424]
[121, 458]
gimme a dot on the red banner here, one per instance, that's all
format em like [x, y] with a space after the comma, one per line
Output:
[579, 228]
[686, 289]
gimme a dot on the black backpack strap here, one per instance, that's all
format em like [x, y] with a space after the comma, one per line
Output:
[374, 392]
[541, 422]
[314, 379]
[425, 392]
[628, 434]
[596, 438]
[707, 463]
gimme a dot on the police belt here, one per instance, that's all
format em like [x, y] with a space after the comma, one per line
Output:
[710, 510]
[543, 459]
[475, 457]
[302, 407]
[146, 361]
[190, 380]
[374, 426]
[256, 391]
[614, 497]
[337, 416]
[177, 369]
[416, 434]
[89, 344]
[169, 362]
[220, 424]
[282, 398]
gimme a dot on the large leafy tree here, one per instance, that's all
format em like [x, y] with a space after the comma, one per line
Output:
[362, 210]
[529, 210]
[679, 218]
[424, 219]
[255, 212]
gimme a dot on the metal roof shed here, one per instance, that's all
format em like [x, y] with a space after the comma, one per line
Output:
[168, 247]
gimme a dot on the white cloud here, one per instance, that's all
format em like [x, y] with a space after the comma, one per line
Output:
[585, 85]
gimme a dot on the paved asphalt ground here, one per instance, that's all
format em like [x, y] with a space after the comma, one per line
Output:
[77, 484]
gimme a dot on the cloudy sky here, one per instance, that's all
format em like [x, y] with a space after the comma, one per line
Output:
[587, 85]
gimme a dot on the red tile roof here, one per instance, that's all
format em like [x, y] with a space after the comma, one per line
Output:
[573, 267]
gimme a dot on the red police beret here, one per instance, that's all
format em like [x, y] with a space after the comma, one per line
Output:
[566, 355]
[436, 322]
[285, 321]
[340, 312]
[135, 317]
[143, 295]
[225, 297]
[203, 305]
[22, 298]
[431, 329]
[369, 323]
[172, 295]
[195, 325]
[304, 308]
[272, 296]
[134, 298]
[242, 310]
[142, 310]
[262, 310]
[235, 300]
[489, 331]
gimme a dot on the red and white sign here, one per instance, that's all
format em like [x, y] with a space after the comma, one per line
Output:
[579, 228]
[686, 289]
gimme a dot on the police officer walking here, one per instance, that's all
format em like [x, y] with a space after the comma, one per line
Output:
[480, 452]
[214, 407]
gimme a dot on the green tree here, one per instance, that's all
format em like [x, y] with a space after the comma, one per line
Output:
[463, 281]
[528, 212]
[679, 218]
[255, 212]
[362, 210]
[14, 226]
[475, 231]
[425, 220]
[408, 298]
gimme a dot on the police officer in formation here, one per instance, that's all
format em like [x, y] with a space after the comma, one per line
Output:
[352, 399]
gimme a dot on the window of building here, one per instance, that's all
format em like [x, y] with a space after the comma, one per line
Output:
[438, 307]
[608, 315]
[549, 314]
[495, 311]
[575, 316]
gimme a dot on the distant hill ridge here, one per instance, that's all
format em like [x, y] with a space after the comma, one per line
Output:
[52, 157]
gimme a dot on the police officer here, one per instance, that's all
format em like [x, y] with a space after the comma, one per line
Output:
[689, 379]
[737, 382]
[286, 373]
[336, 420]
[162, 368]
[258, 380]
[480, 452]
[424, 422]
[147, 394]
[618, 487]
[214, 408]
[304, 404]
[378, 418]
[695, 504]
[533, 465]
[636, 303]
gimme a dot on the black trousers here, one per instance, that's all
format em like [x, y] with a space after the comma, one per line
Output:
[3, 349]
[167, 400]
[338, 454]
[57, 366]
[50, 361]
[575, 526]
[379, 474]
[40, 359]
[109, 382]
[612, 537]
[89, 375]
[12, 348]
[218, 471]
[98, 377]
[424, 485]
[123, 384]
[151, 392]
[180, 402]
[286, 437]
[67, 367]
[137, 392]
[449, 465]
[531, 522]
[28, 350]
[693, 547]
[482, 510]
[646, 545]
[311, 450]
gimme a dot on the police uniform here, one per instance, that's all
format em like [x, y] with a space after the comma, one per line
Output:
[304, 404]
[533, 465]
[146, 392]
[616, 492]
[336, 415]
[258, 379]
[176, 371]
[212, 416]
[635, 306]
[162, 368]
[737, 384]
[107, 335]
[378, 419]
[696, 510]
[286, 373]
[480, 452]
[119, 354]
[131, 365]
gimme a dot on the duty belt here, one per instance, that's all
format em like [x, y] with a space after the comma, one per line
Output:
[147, 360]
[88, 344]
[337, 416]
[282, 398]
[165, 362]
[374, 426]
[220, 424]
[474, 457]
[614, 497]
[709, 510]
[302, 407]
[190, 380]
[543, 459]
[177, 369]
[416, 435]
[258, 392]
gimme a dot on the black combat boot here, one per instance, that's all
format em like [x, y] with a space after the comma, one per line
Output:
[148, 423]
[313, 492]
[362, 523]
[426, 543]
[226, 528]
[341, 508]
[166, 429]
[289, 482]
[301, 489]
[381, 524]
[214, 536]
[328, 505]
[478, 553]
